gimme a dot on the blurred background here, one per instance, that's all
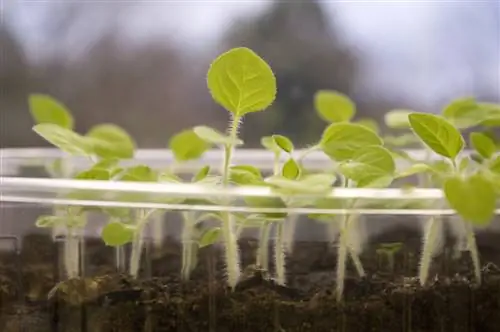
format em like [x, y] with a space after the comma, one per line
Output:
[143, 64]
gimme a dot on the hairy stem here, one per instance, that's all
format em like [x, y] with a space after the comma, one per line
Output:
[354, 243]
[279, 255]
[187, 244]
[431, 240]
[472, 247]
[263, 251]
[232, 258]
[341, 258]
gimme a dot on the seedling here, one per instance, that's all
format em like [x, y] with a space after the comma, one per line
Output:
[103, 145]
[241, 82]
[389, 250]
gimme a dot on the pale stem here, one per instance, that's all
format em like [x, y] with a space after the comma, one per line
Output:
[71, 253]
[158, 226]
[341, 258]
[353, 237]
[431, 239]
[187, 244]
[232, 258]
[279, 255]
[138, 242]
[472, 247]
[263, 251]
[289, 233]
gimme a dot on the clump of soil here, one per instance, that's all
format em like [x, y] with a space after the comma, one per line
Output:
[389, 299]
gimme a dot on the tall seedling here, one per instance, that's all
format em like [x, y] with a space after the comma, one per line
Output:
[241, 82]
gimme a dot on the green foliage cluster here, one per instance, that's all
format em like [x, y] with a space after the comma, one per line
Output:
[243, 83]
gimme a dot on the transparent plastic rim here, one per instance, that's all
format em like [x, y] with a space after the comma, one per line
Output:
[161, 195]
[12, 159]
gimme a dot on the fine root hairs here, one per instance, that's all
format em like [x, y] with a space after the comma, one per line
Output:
[432, 246]
[350, 241]
[232, 254]
[279, 255]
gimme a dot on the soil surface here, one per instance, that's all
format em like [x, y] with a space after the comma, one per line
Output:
[389, 299]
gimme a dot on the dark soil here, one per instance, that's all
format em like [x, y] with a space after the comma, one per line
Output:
[389, 299]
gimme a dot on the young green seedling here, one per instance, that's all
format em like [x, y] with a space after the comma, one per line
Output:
[389, 250]
[469, 192]
[103, 145]
[360, 158]
[241, 82]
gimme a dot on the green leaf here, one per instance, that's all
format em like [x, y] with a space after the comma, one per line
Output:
[494, 165]
[111, 141]
[284, 143]
[463, 112]
[187, 145]
[64, 139]
[397, 119]
[201, 174]
[370, 166]
[267, 202]
[401, 140]
[241, 82]
[474, 198]
[139, 173]
[334, 106]
[326, 203]
[269, 143]
[482, 144]
[414, 169]
[210, 236]
[308, 184]
[45, 109]
[370, 124]
[437, 133]
[213, 136]
[48, 221]
[245, 175]
[341, 140]
[93, 174]
[116, 234]
[291, 170]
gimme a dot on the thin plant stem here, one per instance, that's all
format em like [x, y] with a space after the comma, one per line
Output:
[431, 242]
[289, 233]
[279, 255]
[231, 245]
[71, 253]
[341, 258]
[187, 244]
[138, 241]
[263, 251]
[472, 247]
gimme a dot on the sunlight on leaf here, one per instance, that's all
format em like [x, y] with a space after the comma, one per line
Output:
[111, 141]
[64, 139]
[213, 136]
[482, 144]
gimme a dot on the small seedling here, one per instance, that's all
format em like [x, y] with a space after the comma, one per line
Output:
[389, 250]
